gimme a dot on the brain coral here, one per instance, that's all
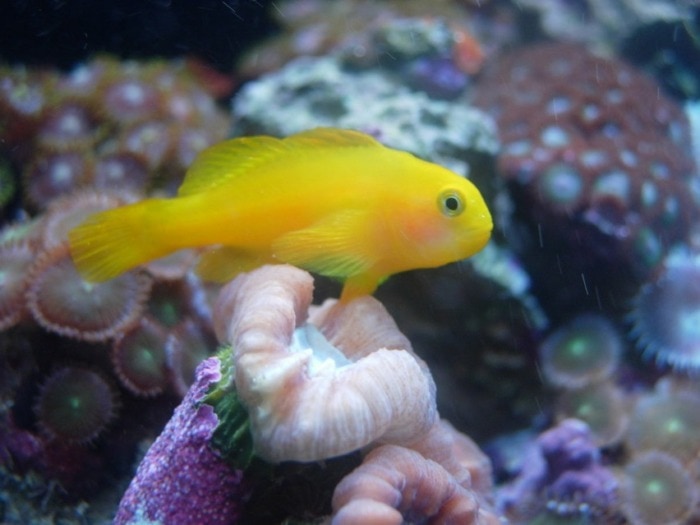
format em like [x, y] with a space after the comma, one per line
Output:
[596, 157]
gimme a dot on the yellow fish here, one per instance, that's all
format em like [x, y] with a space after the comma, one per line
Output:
[331, 201]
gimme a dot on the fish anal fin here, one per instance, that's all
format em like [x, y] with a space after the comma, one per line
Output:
[337, 246]
[222, 263]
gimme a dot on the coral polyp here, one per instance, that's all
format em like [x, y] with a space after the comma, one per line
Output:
[131, 100]
[56, 173]
[122, 170]
[601, 406]
[667, 421]
[139, 359]
[15, 257]
[153, 141]
[598, 170]
[657, 489]
[104, 134]
[64, 213]
[69, 126]
[171, 268]
[22, 102]
[75, 405]
[188, 345]
[62, 302]
[561, 185]
[106, 124]
[584, 350]
[171, 300]
[665, 314]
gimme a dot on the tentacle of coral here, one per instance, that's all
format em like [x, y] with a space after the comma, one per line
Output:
[62, 302]
[458, 455]
[66, 212]
[15, 258]
[280, 299]
[75, 404]
[307, 400]
[395, 483]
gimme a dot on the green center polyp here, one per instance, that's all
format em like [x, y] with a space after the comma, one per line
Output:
[655, 488]
[586, 411]
[75, 403]
[578, 348]
[578, 354]
[674, 426]
[166, 311]
[146, 362]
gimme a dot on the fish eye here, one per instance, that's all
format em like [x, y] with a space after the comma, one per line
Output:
[451, 203]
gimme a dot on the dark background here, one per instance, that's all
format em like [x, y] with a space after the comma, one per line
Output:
[63, 32]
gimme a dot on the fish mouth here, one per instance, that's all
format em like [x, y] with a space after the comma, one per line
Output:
[478, 238]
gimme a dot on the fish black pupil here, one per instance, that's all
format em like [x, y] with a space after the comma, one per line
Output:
[451, 203]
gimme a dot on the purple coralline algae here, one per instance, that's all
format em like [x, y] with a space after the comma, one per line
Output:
[437, 76]
[562, 474]
[182, 480]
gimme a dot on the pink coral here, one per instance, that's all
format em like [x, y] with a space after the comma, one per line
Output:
[458, 455]
[342, 379]
[442, 477]
[320, 388]
[395, 484]
[288, 390]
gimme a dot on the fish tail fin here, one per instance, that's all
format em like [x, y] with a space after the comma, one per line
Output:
[112, 242]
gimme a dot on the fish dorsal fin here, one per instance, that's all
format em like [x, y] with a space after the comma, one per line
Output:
[223, 162]
[330, 137]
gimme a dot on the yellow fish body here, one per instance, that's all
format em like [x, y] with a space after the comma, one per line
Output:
[331, 201]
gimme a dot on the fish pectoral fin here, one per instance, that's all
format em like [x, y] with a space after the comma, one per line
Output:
[338, 246]
[223, 263]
